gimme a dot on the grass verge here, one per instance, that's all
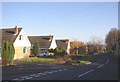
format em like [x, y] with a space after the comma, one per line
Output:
[40, 60]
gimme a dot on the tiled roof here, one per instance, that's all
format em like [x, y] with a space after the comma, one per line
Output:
[10, 34]
[62, 43]
[44, 41]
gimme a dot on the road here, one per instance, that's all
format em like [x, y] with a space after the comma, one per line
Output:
[104, 68]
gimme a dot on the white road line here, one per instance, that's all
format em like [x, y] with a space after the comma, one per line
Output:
[22, 79]
[39, 73]
[55, 71]
[46, 71]
[100, 66]
[29, 78]
[33, 75]
[44, 74]
[60, 70]
[64, 69]
[86, 73]
[37, 76]
[16, 79]
[25, 77]
[50, 72]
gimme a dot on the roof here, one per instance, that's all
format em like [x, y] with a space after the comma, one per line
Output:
[10, 34]
[44, 41]
[62, 43]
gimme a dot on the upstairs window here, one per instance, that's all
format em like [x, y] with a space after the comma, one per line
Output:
[20, 37]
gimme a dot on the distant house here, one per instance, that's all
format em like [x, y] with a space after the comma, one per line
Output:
[45, 42]
[19, 39]
[64, 43]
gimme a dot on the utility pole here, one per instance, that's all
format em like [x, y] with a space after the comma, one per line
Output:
[77, 50]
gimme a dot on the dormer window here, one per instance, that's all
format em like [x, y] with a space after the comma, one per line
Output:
[20, 37]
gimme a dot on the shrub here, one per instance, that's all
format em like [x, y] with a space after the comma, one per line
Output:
[8, 52]
[59, 52]
[36, 49]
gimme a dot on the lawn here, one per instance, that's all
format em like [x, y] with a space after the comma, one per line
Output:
[40, 60]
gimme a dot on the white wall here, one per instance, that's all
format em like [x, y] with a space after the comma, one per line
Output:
[68, 47]
[24, 42]
[53, 44]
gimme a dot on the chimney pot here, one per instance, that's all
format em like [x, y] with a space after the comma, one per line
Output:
[16, 29]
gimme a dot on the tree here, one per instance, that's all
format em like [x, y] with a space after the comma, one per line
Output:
[118, 44]
[82, 50]
[75, 44]
[59, 51]
[11, 52]
[8, 52]
[112, 40]
[36, 49]
[94, 45]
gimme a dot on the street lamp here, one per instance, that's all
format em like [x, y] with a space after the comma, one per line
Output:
[77, 50]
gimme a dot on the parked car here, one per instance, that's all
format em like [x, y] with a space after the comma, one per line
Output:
[44, 53]
[72, 53]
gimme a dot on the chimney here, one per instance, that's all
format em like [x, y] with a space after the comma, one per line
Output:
[50, 37]
[16, 29]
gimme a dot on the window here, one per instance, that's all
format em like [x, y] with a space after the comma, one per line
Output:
[25, 50]
[20, 37]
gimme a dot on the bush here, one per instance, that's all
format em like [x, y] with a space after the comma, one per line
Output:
[36, 49]
[59, 52]
[8, 52]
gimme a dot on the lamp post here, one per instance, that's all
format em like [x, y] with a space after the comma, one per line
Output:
[77, 50]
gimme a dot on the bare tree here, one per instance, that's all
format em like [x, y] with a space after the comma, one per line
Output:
[96, 41]
[95, 45]
[112, 40]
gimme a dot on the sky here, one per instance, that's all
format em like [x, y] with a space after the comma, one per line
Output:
[72, 20]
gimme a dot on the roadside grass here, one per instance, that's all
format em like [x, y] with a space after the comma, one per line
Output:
[40, 60]
[90, 58]
[84, 62]
[86, 59]
[74, 55]
[83, 59]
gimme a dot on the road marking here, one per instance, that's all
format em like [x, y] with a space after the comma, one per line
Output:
[64, 69]
[55, 71]
[86, 73]
[25, 77]
[16, 79]
[100, 66]
[38, 74]
[44, 74]
[22, 79]
[50, 72]
[33, 75]
[60, 70]
[46, 71]
[29, 78]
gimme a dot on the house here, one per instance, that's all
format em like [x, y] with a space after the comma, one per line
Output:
[64, 43]
[45, 42]
[19, 39]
